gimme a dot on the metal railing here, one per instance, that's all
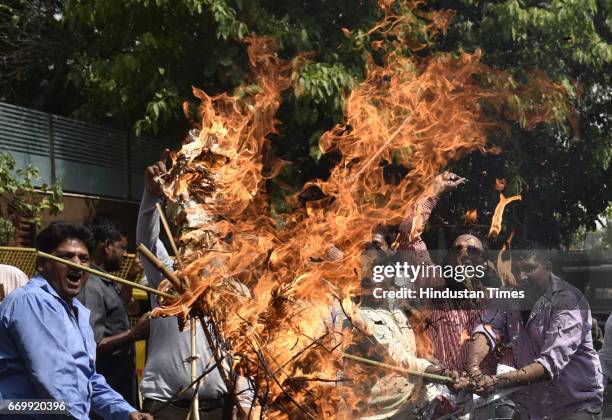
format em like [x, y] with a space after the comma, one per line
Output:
[25, 260]
[87, 158]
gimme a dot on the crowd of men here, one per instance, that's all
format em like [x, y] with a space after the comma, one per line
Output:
[65, 334]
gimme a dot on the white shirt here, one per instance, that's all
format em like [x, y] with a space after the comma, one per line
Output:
[11, 278]
[605, 354]
[392, 394]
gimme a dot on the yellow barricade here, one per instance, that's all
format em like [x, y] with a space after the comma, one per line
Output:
[25, 260]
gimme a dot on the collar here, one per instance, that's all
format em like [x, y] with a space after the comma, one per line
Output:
[44, 284]
[41, 282]
[556, 285]
[97, 267]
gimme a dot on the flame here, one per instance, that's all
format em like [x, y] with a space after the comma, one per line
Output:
[465, 336]
[498, 214]
[500, 184]
[504, 265]
[471, 216]
[269, 287]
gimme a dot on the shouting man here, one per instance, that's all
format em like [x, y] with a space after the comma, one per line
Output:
[47, 347]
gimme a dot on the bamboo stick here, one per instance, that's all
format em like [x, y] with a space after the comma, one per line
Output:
[105, 275]
[434, 377]
[160, 266]
[164, 221]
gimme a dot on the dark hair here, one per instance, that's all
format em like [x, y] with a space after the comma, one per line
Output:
[527, 248]
[104, 229]
[57, 232]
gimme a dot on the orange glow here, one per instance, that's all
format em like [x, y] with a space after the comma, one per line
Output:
[504, 263]
[268, 282]
[500, 184]
[465, 336]
[499, 213]
[471, 216]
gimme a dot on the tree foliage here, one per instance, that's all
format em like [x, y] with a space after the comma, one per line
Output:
[22, 195]
[131, 64]
[564, 171]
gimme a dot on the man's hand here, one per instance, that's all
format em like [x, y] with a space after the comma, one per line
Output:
[462, 383]
[141, 329]
[485, 385]
[135, 269]
[153, 172]
[137, 415]
[435, 369]
[445, 182]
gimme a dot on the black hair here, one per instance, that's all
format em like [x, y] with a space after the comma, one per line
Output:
[527, 248]
[57, 232]
[104, 229]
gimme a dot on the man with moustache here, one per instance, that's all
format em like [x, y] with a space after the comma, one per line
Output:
[550, 337]
[449, 322]
[47, 348]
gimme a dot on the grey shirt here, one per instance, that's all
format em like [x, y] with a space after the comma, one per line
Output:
[168, 366]
[109, 317]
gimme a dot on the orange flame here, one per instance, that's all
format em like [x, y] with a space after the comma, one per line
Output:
[504, 265]
[269, 287]
[465, 336]
[471, 216]
[500, 184]
[499, 213]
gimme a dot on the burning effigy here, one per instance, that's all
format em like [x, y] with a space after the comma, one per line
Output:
[266, 284]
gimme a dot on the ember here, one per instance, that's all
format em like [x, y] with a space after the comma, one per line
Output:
[471, 217]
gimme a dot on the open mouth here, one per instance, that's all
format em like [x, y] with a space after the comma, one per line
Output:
[74, 278]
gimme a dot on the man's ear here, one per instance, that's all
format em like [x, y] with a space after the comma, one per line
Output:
[548, 266]
[107, 246]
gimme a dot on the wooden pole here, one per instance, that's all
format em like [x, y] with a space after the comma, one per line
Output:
[437, 378]
[104, 275]
[164, 221]
[160, 266]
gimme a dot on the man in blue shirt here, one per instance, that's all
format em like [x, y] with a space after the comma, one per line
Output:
[47, 348]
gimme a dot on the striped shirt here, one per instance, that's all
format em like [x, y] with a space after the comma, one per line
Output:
[449, 329]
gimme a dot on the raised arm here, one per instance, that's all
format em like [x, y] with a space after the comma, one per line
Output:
[412, 248]
[147, 227]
